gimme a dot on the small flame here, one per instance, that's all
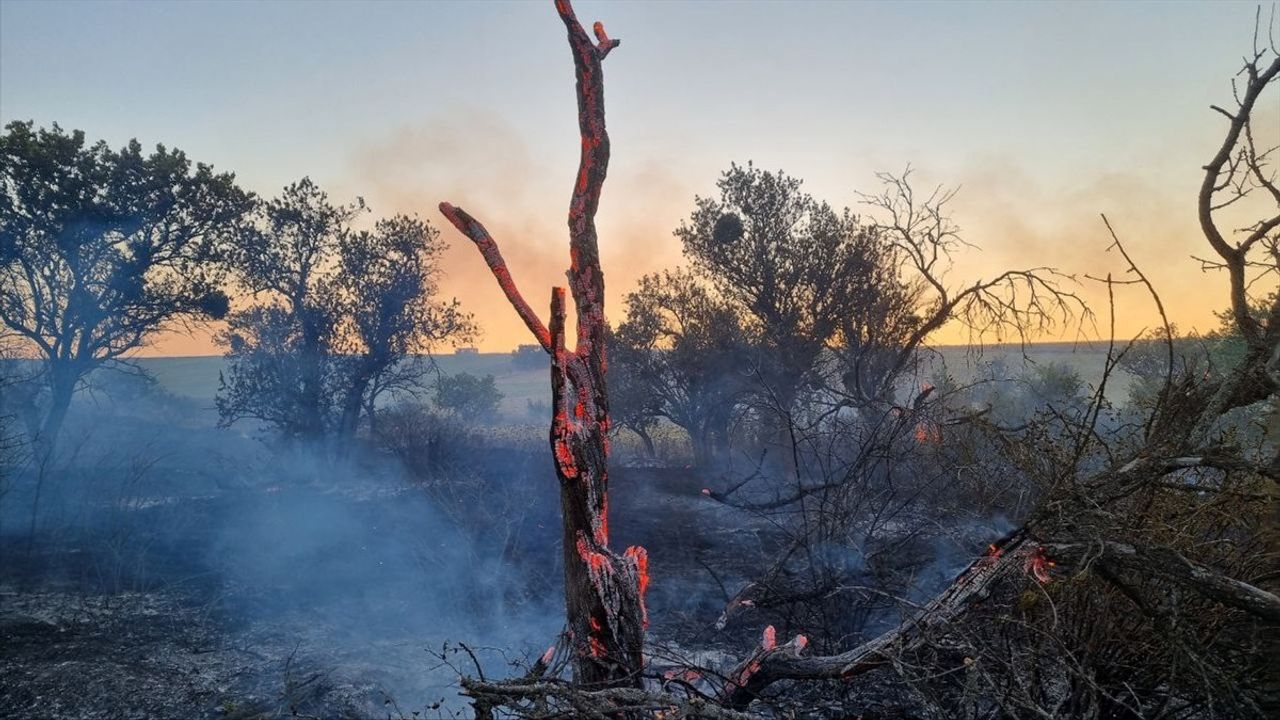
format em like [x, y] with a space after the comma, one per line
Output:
[1038, 564]
[688, 675]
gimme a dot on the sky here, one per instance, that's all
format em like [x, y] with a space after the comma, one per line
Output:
[1043, 114]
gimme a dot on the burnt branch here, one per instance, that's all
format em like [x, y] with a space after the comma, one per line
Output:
[488, 248]
[1019, 302]
[1235, 169]
[1012, 556]
[554, 699]
[1170, 565]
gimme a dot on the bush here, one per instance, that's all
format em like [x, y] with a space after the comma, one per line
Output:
[467, 397]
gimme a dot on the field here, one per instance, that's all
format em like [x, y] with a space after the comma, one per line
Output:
[197, 377]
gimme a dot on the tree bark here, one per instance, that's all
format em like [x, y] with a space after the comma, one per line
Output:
[604, 591]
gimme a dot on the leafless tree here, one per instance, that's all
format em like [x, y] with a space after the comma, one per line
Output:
[604, 591]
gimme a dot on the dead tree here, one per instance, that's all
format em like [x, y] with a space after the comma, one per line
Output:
[604, 591]
[1089, 522]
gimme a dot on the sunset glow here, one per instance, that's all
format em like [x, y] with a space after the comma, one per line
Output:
[1045, 115]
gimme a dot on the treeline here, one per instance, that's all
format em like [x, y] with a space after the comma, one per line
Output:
[791, 312]
[102, 249]
[789, 309]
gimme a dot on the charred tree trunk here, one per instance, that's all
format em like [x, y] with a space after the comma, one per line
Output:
[63, 378]
[604, 591]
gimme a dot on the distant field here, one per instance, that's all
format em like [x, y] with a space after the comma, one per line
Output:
[197, 377]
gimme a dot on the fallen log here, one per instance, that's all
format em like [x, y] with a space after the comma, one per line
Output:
[1014, 555]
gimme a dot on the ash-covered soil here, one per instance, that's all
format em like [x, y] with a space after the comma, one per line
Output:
[329, 596]
[154, 655]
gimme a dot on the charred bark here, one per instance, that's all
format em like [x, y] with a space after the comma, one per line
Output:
[604, 591]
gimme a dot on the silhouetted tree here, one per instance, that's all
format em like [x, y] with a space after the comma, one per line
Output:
[781, 256]
[385, 291]
[810, 283]
[468, 396]
[632, 402]
[682, 348]
[340, 314]
[101, 249]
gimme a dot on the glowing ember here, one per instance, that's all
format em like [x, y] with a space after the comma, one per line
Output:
[688, 675]
[641, 558]
[597, 562]
[928, 434]
[1037, 565]
[770, 639]
[597, 647]
[740, 680]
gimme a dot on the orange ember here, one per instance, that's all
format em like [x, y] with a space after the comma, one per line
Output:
[641, 558]
[597, 647]
[770, 639]
[928, 434]
[1038, 564]
[688, 675]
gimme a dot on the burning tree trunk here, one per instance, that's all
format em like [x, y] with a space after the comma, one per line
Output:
[604, 591]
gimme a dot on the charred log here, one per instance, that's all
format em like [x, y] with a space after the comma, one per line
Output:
[1011, 557]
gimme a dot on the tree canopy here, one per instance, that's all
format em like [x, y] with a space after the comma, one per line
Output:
[101, 249]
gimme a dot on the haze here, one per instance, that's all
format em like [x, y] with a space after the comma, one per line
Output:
[1046, 114]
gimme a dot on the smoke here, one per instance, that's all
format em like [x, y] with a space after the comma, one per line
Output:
[1020, 221]
[345, 567]
[521, 194]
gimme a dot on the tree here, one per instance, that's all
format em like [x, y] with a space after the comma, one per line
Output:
[1164, 540]
[604, 591]
[787, 261]
[385, 289]
[339, 317]
[681, 348]
[632, 403]
[468, 396]
[101, 249]
[812, 286]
